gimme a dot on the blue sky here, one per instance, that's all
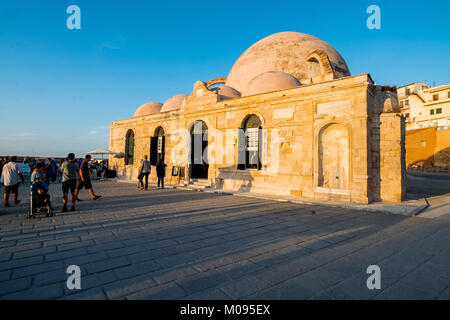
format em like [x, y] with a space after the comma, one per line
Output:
[60, 89]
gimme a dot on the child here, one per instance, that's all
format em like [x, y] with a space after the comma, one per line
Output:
[41, 197]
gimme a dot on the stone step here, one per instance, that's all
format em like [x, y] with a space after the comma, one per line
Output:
[200, 182]
[200, 185]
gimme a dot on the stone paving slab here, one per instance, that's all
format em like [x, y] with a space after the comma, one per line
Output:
[181, 244]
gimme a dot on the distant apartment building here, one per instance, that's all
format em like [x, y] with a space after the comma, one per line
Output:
[424, 106]
[427, 113]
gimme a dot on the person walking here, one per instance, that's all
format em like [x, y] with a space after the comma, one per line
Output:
[33, 163]
[104, 168]
[4, 161]
[85, 180]
[59, 176]
[140, 176]
[161, 173]
[51, 170]
[145, 170]
[69, 172]
[12, 177]
[1, 167]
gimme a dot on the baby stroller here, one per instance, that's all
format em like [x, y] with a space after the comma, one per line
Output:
[39, 210]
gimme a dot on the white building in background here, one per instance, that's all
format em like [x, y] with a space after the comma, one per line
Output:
[425, 106]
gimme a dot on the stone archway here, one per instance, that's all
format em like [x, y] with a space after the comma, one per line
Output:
[334, 157]
[129, 147]
[157, 146]
[199, 152]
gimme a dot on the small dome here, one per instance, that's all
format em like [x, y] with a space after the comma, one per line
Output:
[270, 81]
[285, 51]
[174, 103]
[226, 92]
[148, 108]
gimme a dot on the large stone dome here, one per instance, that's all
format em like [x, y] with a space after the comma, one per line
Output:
[174, 103]
[148, 108]
[270, 81]
[290, 52]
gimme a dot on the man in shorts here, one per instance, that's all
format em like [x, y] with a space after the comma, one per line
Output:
[69, 171]
[85, 180]
[12, 177]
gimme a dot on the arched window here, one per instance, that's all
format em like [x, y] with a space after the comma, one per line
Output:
[157, 147]
[249, 153]
[129, 148]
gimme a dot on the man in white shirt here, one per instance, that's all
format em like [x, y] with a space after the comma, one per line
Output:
[12, 177]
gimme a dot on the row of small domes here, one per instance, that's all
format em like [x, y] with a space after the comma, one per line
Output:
[265, 82]
[274, 63]
[149, 108]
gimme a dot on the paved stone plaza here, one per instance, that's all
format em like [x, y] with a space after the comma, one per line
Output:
[178, 244]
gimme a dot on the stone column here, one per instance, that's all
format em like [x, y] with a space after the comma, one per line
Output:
[359, 161]
[392, 158]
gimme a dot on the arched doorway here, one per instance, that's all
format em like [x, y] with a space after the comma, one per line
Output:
[333, 157]
[129, 148]
[199, 152]
[157, 146]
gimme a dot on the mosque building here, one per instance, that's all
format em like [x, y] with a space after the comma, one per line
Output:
[289, 119]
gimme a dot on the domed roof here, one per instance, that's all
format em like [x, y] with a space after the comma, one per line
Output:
[270, 81]
[173, 103]
[148, 108]
[226, 92]
[285, 51]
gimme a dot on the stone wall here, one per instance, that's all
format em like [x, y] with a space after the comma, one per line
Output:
[428, 149]
[442, 151]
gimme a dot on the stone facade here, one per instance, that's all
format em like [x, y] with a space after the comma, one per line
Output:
[340, 139]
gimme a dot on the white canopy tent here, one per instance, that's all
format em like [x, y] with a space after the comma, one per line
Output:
[101, 151]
